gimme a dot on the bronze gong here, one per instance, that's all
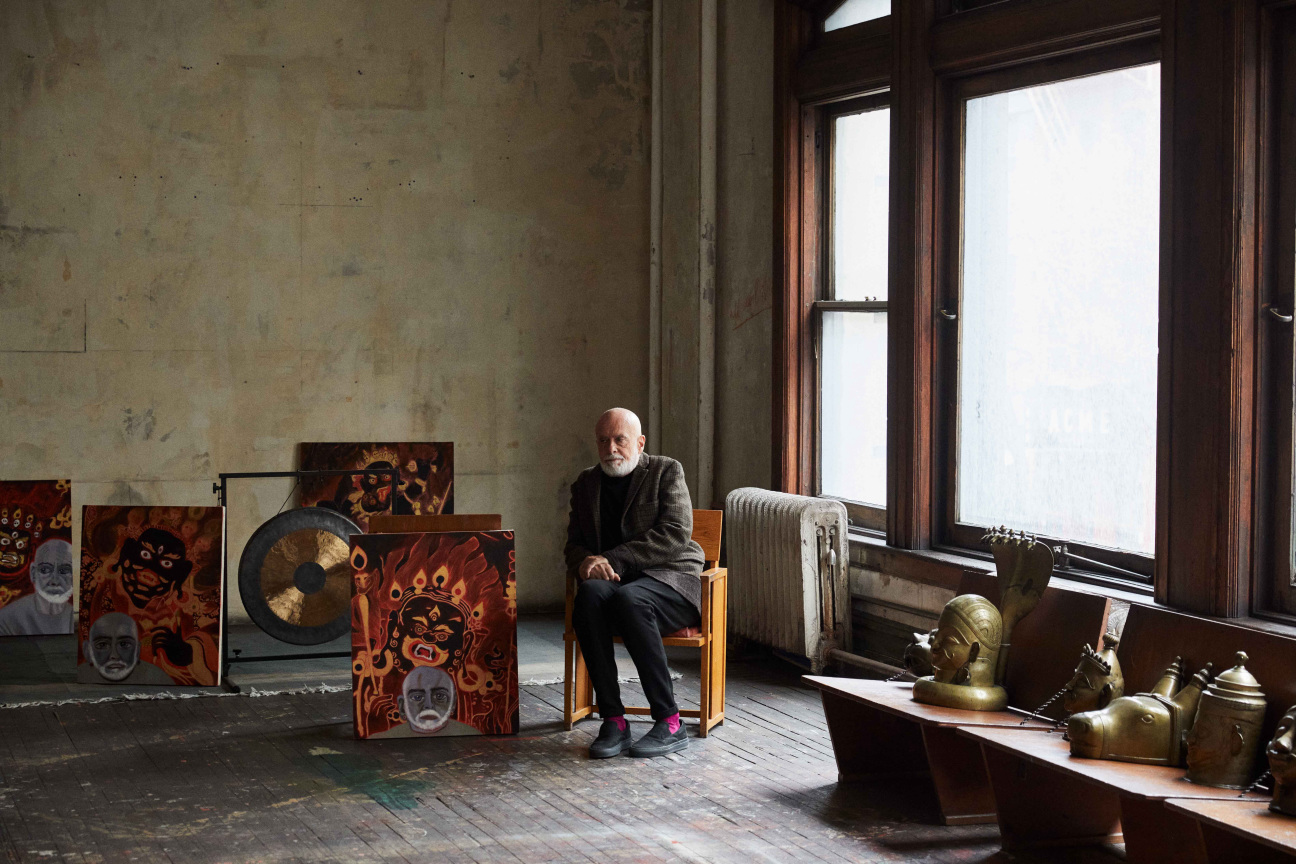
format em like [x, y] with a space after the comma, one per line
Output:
[295, 576]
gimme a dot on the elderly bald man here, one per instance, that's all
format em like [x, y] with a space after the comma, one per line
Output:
[629, 543]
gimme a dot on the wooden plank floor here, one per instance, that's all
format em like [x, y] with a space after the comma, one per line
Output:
[279, 779]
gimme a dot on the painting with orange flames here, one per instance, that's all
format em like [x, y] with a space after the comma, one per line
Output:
[434, 634]
[425, 484]
[151, 594]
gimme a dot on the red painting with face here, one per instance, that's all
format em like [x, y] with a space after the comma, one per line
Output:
[425, 485]
[151, 594]
[35, 557]
[434, 634]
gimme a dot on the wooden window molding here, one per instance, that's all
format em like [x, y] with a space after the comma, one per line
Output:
[793, 31]
[948, 533]
[911, 277]
[1272, 592]
[1208, 296]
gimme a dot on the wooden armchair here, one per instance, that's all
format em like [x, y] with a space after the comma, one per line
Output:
[578, 699]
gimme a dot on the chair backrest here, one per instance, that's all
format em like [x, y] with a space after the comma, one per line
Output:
[434, 522]
[708, 527]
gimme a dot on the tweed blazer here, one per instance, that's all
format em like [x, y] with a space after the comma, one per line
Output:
[657, 526]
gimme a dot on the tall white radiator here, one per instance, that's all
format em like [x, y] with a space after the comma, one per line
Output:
[789, 584]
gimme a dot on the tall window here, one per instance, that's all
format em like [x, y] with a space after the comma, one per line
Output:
[852, 347]
[856, 12]
[1056, 315]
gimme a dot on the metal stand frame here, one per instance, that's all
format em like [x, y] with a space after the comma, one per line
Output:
[220, 490]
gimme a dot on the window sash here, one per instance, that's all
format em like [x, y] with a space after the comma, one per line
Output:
[948, 532]
[862, 516]
[865, 516]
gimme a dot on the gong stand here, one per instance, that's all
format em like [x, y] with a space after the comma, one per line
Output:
[220, 490]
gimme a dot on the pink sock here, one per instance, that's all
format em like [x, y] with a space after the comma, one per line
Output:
[621, 721]
[673, 723]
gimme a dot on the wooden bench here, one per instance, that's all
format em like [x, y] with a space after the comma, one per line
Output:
[878, 731]
[1239, 832]
[1045, 797]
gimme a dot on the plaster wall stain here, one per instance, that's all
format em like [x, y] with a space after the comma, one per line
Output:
[207, 209]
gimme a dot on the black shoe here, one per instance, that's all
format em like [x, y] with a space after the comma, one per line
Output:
[659, 741]
[611, 741]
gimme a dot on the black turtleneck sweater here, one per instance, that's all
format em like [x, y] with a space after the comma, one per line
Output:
[612, 503]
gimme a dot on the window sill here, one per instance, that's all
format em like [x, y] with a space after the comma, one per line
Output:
[945, 570]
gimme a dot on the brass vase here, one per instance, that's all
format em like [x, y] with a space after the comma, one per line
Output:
[1225, 738]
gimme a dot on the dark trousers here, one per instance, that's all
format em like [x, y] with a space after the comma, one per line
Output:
[640, 612]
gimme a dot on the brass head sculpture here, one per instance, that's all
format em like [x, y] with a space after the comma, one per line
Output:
[1282, 764]
[1148, 728]
[964, 654]
[1097, 680]
[1225, 738]
[970, 648]
[918, 655]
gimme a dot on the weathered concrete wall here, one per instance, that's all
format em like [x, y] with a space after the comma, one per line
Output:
[680, 245]
[745, 246]
[229, 227]
[738, 244]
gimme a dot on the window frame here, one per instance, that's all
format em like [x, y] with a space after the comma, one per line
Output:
[862, 516]
[1213, 505]
[948, 533]
[1273, 578]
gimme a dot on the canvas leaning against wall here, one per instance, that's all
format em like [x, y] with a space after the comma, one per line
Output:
[151, 595]
[35, 557]
[434, 634]
[426, 483]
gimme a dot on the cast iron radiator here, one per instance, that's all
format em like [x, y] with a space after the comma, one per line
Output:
[789, 584]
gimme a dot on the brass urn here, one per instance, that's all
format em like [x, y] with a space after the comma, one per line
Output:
[1225, 740]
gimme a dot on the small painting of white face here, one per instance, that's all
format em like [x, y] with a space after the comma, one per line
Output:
[427, 699]
[113, 646]
[51, 571]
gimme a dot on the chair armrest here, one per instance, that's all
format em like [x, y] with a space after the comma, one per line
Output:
[714, 574]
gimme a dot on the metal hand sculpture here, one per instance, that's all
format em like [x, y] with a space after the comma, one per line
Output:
[1024, 567]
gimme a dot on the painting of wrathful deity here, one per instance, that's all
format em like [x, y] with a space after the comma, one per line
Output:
[151, 594]
[434, 634]
[426, 484]
[35, 557]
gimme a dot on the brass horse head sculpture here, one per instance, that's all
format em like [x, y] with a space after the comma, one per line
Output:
[1148, 728]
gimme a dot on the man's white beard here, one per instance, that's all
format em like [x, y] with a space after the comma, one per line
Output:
[619, 467]
[52, 597]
